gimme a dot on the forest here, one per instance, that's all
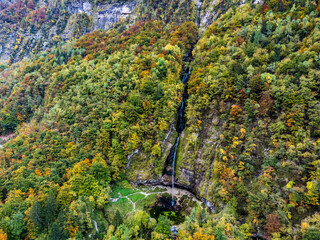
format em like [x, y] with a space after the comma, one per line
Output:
[92, 121]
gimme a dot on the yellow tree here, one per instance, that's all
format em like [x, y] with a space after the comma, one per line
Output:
[3, 235]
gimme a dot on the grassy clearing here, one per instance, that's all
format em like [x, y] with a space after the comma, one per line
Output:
[123, 205]
[123, 188]
[127, 191]
[146, 202]
[118, 191]
[137, 197]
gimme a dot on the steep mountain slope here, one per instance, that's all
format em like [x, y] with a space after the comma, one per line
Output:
[253, 113]
[33, 26]
[88, 109]
[252, 134]
[98, 113]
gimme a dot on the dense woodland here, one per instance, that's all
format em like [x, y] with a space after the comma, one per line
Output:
[81, 107]
[30, 26]
[26, 25]
[257, 72]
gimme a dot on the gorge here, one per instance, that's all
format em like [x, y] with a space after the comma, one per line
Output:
[158, 120]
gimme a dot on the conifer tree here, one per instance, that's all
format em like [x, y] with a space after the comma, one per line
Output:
[55, 233]
[117, 220]
[50, 209]
[36, 214]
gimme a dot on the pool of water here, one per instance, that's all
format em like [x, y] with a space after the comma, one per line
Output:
[163, 207]
[175, 217]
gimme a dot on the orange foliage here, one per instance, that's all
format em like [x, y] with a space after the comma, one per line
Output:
[266, 103]
[139, 49]
[38, 172]
[239, 40]
[235, 110]
[19, 117]
[267, 173]
[243, 94]
[265, 8]
[3, 235]
[73, 230]
[152, 41]
[145, 73]
[201, 236]
[272, 225]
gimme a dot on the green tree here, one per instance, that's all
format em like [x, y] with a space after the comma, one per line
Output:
[312, 234]
[50, 209]
[117, 219]
[55, 233]
[36, 214]
[163, 227]
[16, 225]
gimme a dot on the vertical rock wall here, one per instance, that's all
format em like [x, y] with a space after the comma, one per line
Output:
[97, 16]
[105, 15]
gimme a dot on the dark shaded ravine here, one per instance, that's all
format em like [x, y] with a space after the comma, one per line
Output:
[169, 169]
[177, 186]
[168, 174]
[170, 164]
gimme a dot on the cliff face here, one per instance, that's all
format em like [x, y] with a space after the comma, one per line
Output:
[103, 16]
[34, 28]
[77, 17]
[209, 10]
[197, 150]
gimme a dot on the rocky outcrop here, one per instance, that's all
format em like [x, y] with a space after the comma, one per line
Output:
[194, 170]
[78, 18]
[82, 16]
[141, 166]
[104, 16]
[209, 10]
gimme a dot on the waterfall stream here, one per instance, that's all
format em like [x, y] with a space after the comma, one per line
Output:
[173, 166]
[96, 226]
[180, 125]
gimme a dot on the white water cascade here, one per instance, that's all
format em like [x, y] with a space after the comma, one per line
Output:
[173, 166]
[180, 127]
[96, 226]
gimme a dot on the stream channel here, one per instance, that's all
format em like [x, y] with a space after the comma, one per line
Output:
[172, 198]
[171, 159]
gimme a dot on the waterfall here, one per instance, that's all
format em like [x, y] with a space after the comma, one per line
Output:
[173, 166]
[180, 125]
[185, 77]
[96, 226]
